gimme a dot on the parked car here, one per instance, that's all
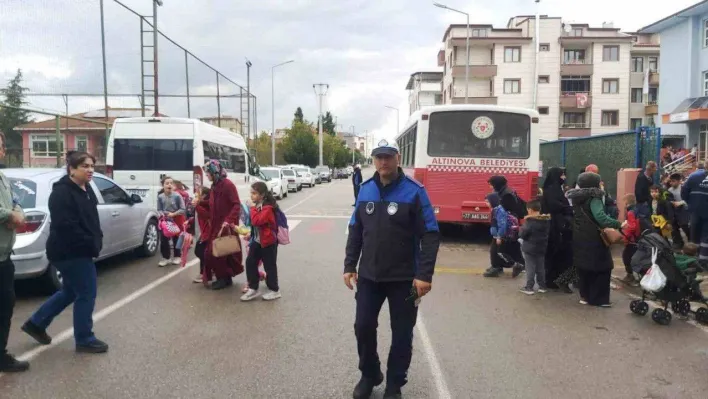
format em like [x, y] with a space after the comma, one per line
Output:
[308, 178]
[341, 174]
[325, 173]
[294, 182]
[128, 224]
[279, 183]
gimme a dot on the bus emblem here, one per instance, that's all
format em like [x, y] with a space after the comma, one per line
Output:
[482, 127]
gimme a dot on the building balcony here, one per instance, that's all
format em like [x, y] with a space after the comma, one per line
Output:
[571, 100]
[651, 109]
[653, 78]
[475, 100]
[566, 130]
[577, 68]
[476, 71]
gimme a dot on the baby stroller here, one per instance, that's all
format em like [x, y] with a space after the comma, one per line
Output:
[681, 286]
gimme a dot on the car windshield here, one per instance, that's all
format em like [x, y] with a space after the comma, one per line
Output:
[288, 172]
[302, 170]
[24, 192]
[270, 173]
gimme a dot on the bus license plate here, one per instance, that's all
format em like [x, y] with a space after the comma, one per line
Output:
[475, 216]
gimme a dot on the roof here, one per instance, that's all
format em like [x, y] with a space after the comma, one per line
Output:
[477, 26]
[674, 19]
[432, 75]
[73, 124]
[527, 17]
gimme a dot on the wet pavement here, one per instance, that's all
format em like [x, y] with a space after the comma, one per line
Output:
[476, 337]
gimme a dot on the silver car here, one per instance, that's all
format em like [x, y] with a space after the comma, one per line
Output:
[127, 223]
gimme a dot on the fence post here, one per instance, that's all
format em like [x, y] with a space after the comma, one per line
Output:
[657, 134]
[563, 153]
[58, 139]
[638, 147]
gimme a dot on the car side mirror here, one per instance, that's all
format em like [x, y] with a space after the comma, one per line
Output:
[136, 199]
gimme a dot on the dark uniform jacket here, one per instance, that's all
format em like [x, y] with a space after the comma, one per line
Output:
[394, 232]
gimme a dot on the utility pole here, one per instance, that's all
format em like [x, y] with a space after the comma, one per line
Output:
[248, 102]
[320, 91]
[353, 143]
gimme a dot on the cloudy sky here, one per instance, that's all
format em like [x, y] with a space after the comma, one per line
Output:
[364, 49]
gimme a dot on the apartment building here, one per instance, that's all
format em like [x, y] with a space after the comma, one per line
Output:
[424, 89]
[644, 81]
[583, 72]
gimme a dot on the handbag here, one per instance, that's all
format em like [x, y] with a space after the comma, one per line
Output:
[608, 235]
[225, 245]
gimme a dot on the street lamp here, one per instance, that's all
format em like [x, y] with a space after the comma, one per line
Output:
[272, 111]
[467, 42]
[398, 118]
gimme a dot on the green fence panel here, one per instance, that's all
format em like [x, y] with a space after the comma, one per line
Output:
[551, 154]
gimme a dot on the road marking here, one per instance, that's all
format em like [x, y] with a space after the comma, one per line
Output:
[103, 313]
[320, 216]
[292, 224]
[303, 201]
[435, 369]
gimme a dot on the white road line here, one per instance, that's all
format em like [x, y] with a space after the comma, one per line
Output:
[435, 369]
[292, 224]
[303, 201]
[103, 313]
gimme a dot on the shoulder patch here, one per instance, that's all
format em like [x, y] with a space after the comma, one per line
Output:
[414, 181]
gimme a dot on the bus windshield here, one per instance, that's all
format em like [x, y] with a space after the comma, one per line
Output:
[470, 134]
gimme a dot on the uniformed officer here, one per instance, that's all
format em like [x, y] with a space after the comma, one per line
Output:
[394, 232]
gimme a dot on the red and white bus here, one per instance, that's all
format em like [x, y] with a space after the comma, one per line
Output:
[454, 150]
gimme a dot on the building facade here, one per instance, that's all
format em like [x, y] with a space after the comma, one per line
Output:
[683, 62]
[584, 73]
[227, 122]
[424, 89]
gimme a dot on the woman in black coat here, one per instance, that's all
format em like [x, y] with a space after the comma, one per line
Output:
[559, 254]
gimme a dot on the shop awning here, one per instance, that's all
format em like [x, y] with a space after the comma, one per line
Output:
[690, 109]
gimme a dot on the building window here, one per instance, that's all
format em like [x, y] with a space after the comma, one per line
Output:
[653, 64]
[45, 145]
[636, 123]
[705, 83]
[573, 120]
[512, 86]
[544, 79]
[610, 86]
[705, 33]
[576, 32]
[610, 53]
[575, 84]
[637, 64]
[637, 96]
[479, 33]
[438, 99]
[543, 110]
[512, 54]
[653, 96]
[610, 118]
[81, 143]
[544, 47]
[574, 56]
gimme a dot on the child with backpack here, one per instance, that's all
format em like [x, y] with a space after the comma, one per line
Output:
[172, 210]
[534, 237]
[263, 246]
[631, 230]
[504, 228]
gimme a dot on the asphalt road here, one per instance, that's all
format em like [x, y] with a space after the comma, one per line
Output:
[476, 337]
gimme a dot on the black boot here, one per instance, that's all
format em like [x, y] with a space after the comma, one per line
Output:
[95, 346]
[366, 385]
[493, 272]
[221, 284]
[8, 364]
[392, 392]
[36, 332]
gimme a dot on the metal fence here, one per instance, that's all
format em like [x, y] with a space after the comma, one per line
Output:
[610, 152]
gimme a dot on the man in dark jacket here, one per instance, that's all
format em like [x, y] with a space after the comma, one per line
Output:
[695, 192]
[642, 190]
[534, 237]
[357, 179]
[394, 233]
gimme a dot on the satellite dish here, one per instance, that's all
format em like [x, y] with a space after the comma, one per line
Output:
[567, 28]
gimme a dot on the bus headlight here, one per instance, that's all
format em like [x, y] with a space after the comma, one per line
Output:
[436, 210]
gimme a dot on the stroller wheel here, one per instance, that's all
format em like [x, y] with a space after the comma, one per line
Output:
[661, 316]
[682, 307]
[702, 315]
[639, 307]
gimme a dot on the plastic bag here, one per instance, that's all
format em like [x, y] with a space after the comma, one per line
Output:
[654, 280]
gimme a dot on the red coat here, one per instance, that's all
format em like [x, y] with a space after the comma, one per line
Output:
[631, 231]
[202, 210]
[224, 206]
[264, 221]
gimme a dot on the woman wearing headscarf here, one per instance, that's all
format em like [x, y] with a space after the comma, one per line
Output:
[591, 256]
[559, 255]
[224, 212]
[507, 196]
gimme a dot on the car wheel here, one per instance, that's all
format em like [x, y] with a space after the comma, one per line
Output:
[52, 280]
[151, 240]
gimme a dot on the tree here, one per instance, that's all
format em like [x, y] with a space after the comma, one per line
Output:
[299, 117]
[10, 118]
[299, 145]
[328, 124]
